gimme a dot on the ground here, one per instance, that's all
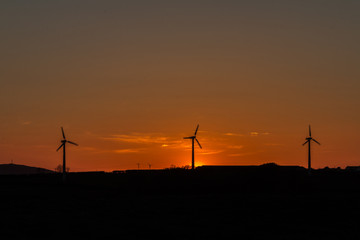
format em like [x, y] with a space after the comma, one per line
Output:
[114, 205]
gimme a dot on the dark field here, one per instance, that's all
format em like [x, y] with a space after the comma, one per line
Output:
[244, 203]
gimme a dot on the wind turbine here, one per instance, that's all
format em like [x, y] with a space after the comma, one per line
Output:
[193, 138]
[63, 144]
[308, 141]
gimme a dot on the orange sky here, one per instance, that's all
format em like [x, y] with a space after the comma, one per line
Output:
[129, 80]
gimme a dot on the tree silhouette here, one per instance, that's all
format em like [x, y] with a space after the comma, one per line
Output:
[59, 169]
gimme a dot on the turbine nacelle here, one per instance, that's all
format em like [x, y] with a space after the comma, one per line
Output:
[64, 141]
[309, 138]
[192, 137]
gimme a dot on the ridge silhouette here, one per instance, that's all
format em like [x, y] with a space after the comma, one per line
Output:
[250, 202]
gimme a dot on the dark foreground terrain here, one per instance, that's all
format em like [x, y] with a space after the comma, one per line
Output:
[208, 203]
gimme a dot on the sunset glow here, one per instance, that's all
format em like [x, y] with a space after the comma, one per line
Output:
[128, 81]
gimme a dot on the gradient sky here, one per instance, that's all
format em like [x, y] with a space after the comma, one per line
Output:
[129, 79]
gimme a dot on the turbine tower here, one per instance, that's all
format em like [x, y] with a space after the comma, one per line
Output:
[193, 138]
[63, 144]
[308, 141]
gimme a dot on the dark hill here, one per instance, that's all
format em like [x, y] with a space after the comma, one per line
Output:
[15, 169]
[212, 202]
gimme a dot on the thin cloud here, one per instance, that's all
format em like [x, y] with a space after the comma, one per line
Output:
[95, 150]
[255, 134]
[234, 134]
[241, 154]
[137, 138]
[211, 152]
[174, 144]
[122, 151]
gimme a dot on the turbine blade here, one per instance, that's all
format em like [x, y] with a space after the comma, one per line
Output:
[187, 137]
[316, 141]
[60, 147]
[309, 131]
[198, 143]
[196, 129]
[73, 143]
[305, 142]
[62, 130]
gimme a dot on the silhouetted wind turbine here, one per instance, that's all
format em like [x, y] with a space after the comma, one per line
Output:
[193, 138]
[308, 141]
[63, 144]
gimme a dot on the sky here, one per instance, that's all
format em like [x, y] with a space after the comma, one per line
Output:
[129, 79]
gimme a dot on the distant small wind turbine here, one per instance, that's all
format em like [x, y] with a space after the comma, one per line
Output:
[308, 141]
[63, 144]
[193, 138]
